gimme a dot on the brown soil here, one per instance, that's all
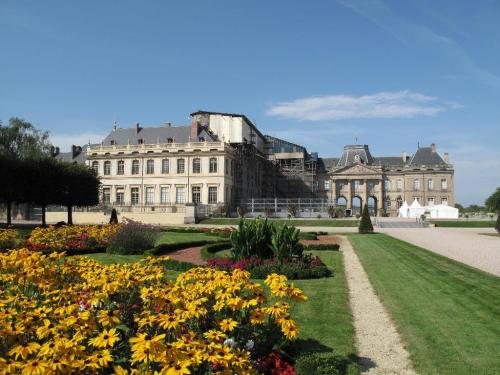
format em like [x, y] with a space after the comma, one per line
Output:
[328, 239]
[191, 255]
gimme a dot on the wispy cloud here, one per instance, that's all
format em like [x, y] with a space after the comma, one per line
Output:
[399, 104]
[409, 32]
[64, 141]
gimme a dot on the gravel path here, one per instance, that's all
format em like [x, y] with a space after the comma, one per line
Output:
[378, 343]
[466, 245]
[191, 255]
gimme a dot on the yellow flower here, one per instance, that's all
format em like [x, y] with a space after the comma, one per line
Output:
[176, 368]
[109, 317]
[105, 339]
[228, 325]
[34, 367]
[24, 350]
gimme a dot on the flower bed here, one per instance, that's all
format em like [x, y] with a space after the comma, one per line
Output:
[307, 267]
[71, 237]
[79, 315]
[8, 239]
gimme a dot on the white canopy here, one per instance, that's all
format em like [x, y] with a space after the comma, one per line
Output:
[416, 209]
[443, 211]
[404, 210]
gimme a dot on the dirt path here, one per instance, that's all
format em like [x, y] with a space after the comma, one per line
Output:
[378, 343]
[191, 255]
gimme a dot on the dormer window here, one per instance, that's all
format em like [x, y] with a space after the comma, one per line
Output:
[170, 140]
[140, 141]
[112, 142]
[201, 139]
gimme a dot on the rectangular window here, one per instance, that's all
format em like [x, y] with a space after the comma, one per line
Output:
[196, 192]
[387, 185]
[416, 184]
[150, 166]
[430, 184]
[180, 193]
[212, 194]
[150, 195]
[165, 195]
[107, 168]
[165, 167]
[444, 200]
[196, 165]
[327, 185]
[120, 196]
[134, 195]
[417, 198]
[430, 201]
[180, 166]
[106, 196]
[212, 165]
[399, 184]
[444, 184]
[135, 166]
[120, 167]
[226, 164]
[357, 184]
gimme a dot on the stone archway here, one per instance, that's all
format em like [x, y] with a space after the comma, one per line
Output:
[341, 204]
[357, 205]
[372, 205]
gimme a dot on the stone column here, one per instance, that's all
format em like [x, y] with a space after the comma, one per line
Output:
[349, 194]
[365, 195]
[333, 191]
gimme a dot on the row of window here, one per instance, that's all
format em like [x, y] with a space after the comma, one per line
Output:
[430, 202]
[150, 166]
[416, 184]
[140, 141]
[180, 195]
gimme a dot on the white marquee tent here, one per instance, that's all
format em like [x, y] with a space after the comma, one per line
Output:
[443, 211]
[416, 209]
[404, 210]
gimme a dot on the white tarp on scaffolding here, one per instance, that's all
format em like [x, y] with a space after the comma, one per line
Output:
[443, 211]
[416, 209]
[404, 210]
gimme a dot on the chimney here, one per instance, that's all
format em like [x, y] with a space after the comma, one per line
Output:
[433, 147]
[75, 151]
[54, 151]
[167, 125]
[447, 158]
[404, 156]
[195, 128]
[137, 128]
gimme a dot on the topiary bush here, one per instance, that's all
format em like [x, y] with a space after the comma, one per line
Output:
[320, 364]
[365, 225]
[132, 238]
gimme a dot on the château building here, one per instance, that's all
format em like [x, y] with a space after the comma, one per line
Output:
[223, 160]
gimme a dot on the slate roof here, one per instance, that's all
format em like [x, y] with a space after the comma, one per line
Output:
[68, 156]
[426, 156]
[151, 135]
[247, 120]
[329, 162]
[351, 152]
[389, 161]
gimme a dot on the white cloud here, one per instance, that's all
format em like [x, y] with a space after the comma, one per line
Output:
[64, 141]
[399, 104]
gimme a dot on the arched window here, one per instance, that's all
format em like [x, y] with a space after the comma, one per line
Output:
[150, 166]
[120, 167]
[95, 167]
[196, 165]
[213, 165]
[180, 166]
[165, 167]
[135, 166]
[107, 168]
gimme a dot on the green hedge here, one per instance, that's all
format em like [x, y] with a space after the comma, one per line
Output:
[178, 265]
[464, 224]
[293, 271]
[78, 251]
[308, 236]
[323, 246]
[210, 249]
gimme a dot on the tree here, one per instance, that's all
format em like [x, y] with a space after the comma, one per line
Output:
[79, 187]
[11, 191]
[459, 207]
[365, 224]
[493, 202]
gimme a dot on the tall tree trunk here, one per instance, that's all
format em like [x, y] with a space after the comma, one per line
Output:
[70, 215]
[9, 213]
[44, 223]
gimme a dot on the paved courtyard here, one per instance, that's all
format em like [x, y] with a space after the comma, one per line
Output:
[466, 245]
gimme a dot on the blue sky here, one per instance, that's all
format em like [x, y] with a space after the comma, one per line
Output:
[317, 73]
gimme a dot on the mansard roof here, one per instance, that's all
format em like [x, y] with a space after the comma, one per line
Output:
[353, 153]
[426, 156]
[152, 135]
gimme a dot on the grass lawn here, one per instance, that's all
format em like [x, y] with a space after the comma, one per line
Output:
[325, 320]
[447, 313]
[114, 258]
[178, 237]
[297, 223]
[491, 234]
[464, 223]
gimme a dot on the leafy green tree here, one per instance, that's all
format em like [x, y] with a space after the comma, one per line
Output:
[11, 190]
[459, 207]
[493, 201]
[21, 140]
[365, 224]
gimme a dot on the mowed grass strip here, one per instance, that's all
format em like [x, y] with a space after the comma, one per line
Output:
[447, 313]
[464, 223]
[325, 320]
[179, 237]
[297, 223]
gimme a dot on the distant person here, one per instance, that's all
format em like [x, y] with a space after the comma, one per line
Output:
[114, 217]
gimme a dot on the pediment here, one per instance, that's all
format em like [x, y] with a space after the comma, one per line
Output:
[356, 169]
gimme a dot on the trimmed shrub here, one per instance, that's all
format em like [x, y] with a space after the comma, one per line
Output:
[209, 250]
[320, 364]
[132, 238]
[308, 235]
[166, 248]
[365, 224]
[178, 265]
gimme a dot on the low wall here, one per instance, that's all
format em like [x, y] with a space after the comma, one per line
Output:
[101, 218]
